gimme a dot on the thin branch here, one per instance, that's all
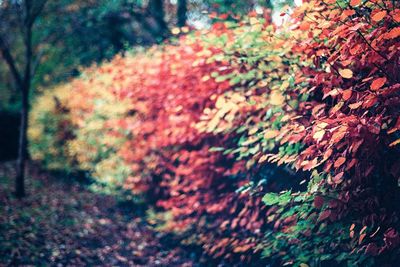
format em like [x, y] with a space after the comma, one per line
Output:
[369, 44]
[36, 63]
[5, 51]
[38, 10]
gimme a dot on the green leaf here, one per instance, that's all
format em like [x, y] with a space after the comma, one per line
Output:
[271, 199]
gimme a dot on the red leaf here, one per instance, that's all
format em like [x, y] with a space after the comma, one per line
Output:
[339, 162]
[378, 83]
[318, 202]
[324, 215]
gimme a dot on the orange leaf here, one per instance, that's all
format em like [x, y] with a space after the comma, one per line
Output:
[395, 143]
[337, 136]
[351, 234]
[354, 50]
[355, 2]
[361, 238]
[328, 153]
[349, 12]
[396, 15]
[347, 94]
[394, 33]
[304, 26]
[378, 83]
[346, 73]
[379, 16]
[339, 162]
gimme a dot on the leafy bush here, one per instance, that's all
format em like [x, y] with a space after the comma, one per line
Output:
[256, 139]
[50, 129]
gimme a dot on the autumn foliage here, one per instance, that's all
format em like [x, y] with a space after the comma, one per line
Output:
[253, 140]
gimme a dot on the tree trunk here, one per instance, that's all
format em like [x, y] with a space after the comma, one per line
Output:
[25, 87]
[22, 145]
[268, 4]
[182, 13]
[156, 8]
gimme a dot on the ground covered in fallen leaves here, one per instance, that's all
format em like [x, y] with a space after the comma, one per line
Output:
[61, 223]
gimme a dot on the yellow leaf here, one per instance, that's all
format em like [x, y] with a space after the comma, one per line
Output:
[175, 31]
[271, 134]
[253, 130]
[319, 135]
[355, 105]
[220, 102]
[276, 98]
[346, 73]
[284, 85]
[263, 158]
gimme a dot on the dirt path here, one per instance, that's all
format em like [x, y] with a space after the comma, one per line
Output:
[64, 224]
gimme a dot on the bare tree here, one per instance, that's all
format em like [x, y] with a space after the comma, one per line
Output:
[24, 14]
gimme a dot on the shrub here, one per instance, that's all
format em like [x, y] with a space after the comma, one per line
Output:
[253, 139]
[50, 129]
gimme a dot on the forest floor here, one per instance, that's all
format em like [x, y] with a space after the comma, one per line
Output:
[62, 223]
